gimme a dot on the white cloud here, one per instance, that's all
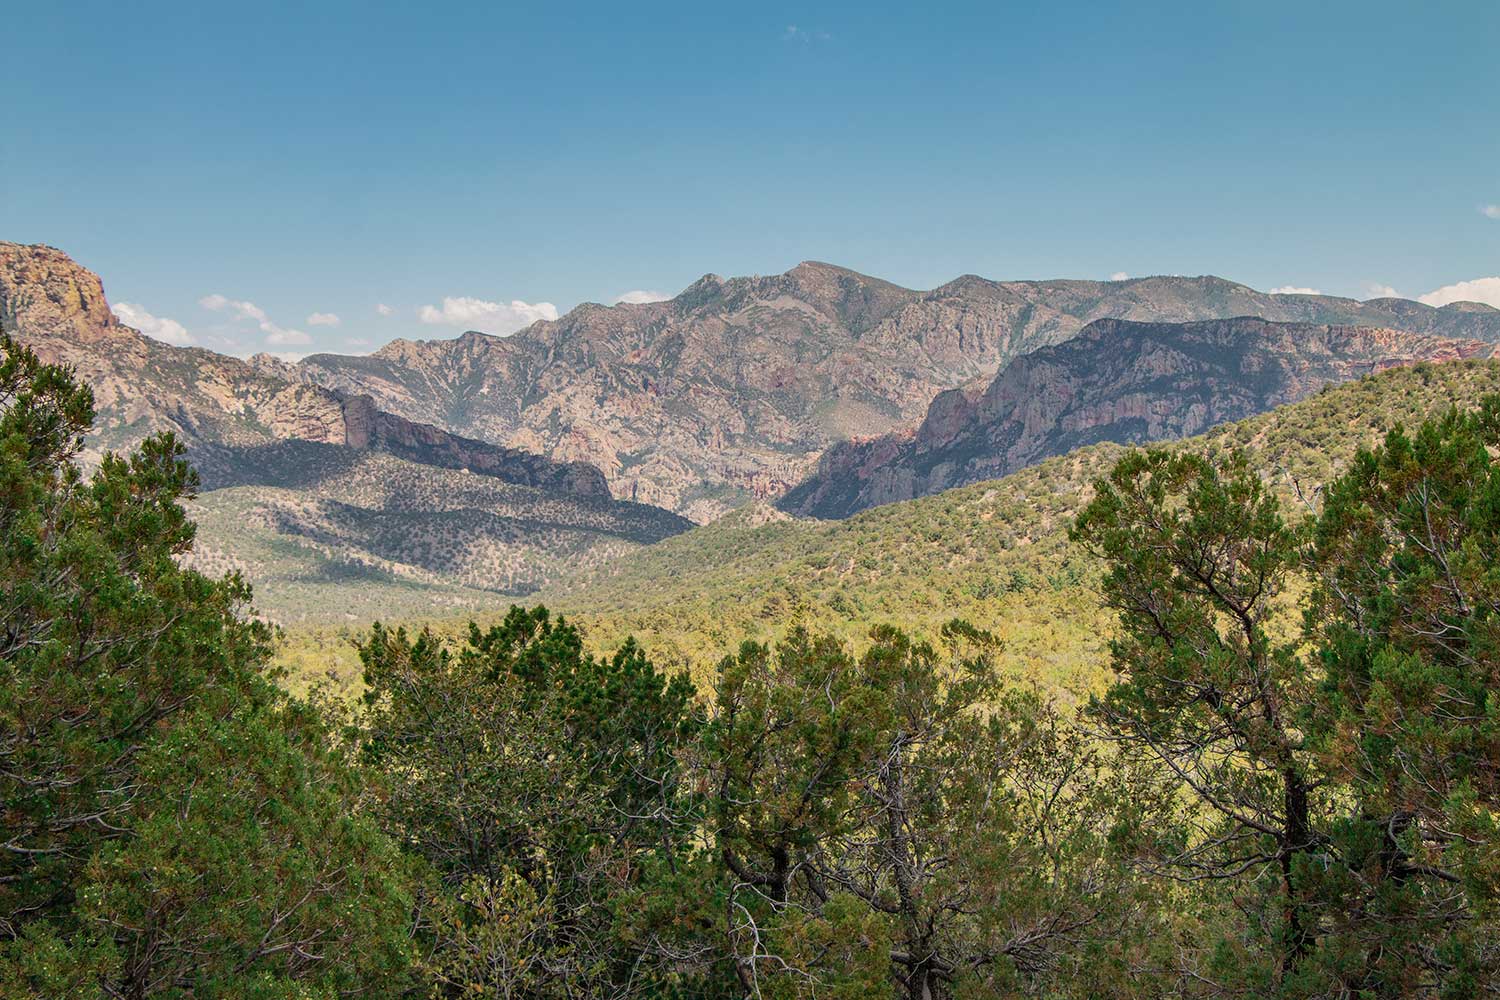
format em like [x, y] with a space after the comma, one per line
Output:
[277, 336]
[280, 336]
[1294, 290]
[168, 331]
[1486, 290]
[383, 309]
[490, 317]
[640, 296]
[1119, 276]
[1379, 291]
[290, 357]
[323, 319]
[240, 308]
[1490, 211]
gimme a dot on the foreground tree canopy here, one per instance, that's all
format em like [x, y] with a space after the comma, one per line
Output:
[1289, 788]
[173, 824]
[1343, 766]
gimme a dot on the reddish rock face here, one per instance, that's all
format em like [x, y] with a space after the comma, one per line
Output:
[1116, 381]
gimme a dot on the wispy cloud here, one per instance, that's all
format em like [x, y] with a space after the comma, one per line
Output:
[1486, 290]
[639, 296]
[168, 331]
[1119, 276]
[383, 309]
[1490, 211]
[804, 36]
[243, 309]
[1295, 290]
[1375, 290]
[488, 317]
[323, 319]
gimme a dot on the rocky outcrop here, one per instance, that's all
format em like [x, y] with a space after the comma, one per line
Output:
[733, 389]
[44, 293]
[1116, 381]
[364, 426]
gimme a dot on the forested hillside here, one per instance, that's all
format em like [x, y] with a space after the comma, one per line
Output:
[995, 552]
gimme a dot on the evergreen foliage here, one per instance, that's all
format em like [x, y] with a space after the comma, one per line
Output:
[174, 825]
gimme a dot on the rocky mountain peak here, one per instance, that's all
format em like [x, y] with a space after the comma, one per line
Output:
[1479, 308]
[705, 290]
[224, 408]
[43, 290]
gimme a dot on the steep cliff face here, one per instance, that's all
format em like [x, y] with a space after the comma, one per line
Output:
[1118, 381]
[364, 426]
[734, 388]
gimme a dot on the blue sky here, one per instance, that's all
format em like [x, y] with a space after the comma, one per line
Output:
[238, 171]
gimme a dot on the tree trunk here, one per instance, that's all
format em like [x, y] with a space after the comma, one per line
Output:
[1297, 839]
[921, 978]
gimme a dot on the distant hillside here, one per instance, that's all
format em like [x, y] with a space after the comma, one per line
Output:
[732, 389]
[329, 504]
[1118, 380]
[993, 552]
[334, 534]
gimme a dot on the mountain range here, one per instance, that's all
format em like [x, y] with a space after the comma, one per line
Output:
[733, 389]
[437, 475]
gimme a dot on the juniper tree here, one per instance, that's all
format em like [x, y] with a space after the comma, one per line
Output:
[1405, 618]
[540, 786]
[1209, 685]
[1356, 752]
[104, 640]
[906, 799]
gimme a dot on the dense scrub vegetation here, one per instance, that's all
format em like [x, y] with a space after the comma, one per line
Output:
[1286, 784]
[996, 554]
